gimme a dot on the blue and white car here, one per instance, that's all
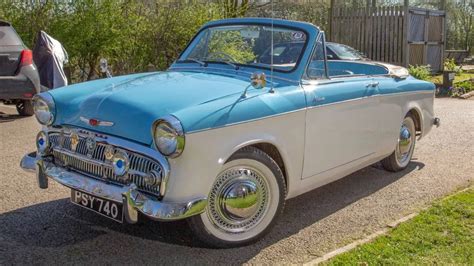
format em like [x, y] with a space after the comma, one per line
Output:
[227, 133]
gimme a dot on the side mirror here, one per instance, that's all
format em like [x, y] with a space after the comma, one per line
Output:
[330, 57]
[258, 80]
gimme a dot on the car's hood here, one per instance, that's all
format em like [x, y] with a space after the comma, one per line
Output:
[133, 102]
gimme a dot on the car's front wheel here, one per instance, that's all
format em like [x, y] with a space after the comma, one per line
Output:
[244, 202]
[25, 108]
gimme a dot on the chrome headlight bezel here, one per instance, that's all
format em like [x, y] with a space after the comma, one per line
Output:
[168, 136]
[45, 108]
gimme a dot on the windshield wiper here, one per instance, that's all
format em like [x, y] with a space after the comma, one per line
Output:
[201, 63]
[236, 67]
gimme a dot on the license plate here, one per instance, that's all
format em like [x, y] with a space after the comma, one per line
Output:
[107, 208]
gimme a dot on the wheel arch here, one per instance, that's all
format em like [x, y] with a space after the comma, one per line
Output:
[270, 148]
[417, 116]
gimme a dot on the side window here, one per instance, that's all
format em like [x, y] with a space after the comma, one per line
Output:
[8, 36]
[317, 65]
[330, 54]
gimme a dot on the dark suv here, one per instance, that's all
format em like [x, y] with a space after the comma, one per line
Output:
[19, 78]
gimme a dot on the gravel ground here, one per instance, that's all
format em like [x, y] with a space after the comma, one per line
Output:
[43, 227]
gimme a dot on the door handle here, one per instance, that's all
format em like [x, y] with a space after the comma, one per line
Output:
[372, 84]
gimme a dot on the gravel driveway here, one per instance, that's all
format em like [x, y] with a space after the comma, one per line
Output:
[42, 227]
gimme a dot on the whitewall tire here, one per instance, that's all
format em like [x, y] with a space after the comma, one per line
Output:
[244, 202]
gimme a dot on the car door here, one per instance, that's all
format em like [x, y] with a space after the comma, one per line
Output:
[392, 98]
[341, 125]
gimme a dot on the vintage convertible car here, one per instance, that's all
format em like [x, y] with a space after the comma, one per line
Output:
[227, 134]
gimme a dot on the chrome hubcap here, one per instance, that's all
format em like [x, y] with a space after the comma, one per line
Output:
[238, 200]
[405, 143]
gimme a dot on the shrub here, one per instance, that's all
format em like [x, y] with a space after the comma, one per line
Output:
[420, 72]
[461, 88]
[450, 65]
[130, 34]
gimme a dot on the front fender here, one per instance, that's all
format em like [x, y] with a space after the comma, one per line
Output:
[194, 172]
[422, 103]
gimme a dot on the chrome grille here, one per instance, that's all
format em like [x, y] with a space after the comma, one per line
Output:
[95, 165]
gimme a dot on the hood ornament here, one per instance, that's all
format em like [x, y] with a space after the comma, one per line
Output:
[95, 122]
[257, 80]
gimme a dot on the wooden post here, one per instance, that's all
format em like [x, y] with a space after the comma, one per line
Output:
[442, 5]
[331, 10]
[425, 38]
[406, 28]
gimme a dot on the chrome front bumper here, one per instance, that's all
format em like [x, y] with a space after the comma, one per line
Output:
[133, 201]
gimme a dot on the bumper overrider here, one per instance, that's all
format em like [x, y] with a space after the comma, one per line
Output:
[133, 197]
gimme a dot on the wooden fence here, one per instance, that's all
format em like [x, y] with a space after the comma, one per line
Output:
[394, 34]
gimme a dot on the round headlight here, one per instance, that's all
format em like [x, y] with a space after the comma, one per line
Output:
[168, 136]
[43, 105]
[42, 143]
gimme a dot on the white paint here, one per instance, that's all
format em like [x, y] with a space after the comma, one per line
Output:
[337, 154]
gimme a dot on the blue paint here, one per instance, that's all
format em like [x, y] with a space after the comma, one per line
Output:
[199, 100]
[119, 163]
[204, 98]
[41, 142]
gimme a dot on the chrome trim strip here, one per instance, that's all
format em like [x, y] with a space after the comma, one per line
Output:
[311, 107]
[247, 121]
[133, 201]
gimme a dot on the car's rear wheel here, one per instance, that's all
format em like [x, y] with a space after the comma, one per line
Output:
[403, 153]
[25, 108]
[245, 200]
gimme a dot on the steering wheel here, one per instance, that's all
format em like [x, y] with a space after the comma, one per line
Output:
[221, 55]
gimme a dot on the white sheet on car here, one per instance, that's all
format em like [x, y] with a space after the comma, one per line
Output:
[50, 57]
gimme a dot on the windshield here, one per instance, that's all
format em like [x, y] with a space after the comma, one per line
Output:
[345, 52]
[248, 45]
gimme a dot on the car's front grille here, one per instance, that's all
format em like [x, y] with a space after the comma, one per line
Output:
[93, 163]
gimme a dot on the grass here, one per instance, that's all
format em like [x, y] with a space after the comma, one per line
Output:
[458, 78]
[443, 234]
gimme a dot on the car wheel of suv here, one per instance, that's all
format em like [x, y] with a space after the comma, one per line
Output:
[244, 202]
[25, 108]
[401, 157]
